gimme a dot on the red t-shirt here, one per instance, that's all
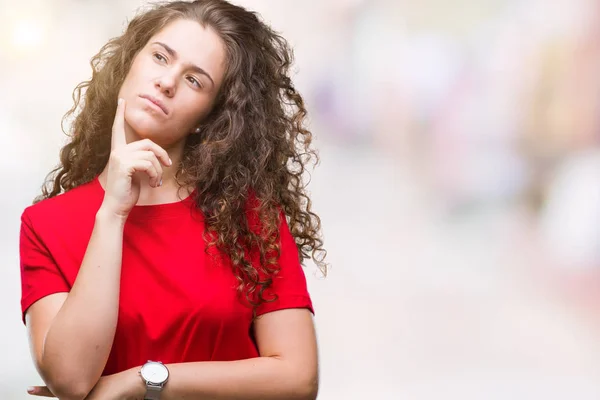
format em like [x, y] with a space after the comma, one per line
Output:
[176, 303]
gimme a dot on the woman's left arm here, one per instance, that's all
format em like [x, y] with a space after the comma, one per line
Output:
[286, 370]
[287, 367]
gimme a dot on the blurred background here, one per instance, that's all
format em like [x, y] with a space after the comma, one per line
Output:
[458, 186]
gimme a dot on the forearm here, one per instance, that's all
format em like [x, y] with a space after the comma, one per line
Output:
[80, 337]
[261, 378]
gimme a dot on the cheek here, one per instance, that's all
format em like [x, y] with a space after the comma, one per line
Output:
[134, 76]
[192, 110]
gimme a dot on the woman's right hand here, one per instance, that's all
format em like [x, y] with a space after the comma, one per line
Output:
[143, 156]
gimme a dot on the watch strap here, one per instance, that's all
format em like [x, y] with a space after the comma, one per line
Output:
[152, 392]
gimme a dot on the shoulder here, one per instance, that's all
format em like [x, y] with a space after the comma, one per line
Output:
[68, 206]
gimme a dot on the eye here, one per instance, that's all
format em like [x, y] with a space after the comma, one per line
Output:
[159, 57]
[194, 81]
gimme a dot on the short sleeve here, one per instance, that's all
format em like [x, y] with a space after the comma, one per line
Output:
[40, 276]
[289, 285]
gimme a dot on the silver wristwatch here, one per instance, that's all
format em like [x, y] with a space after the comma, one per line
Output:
[154, 374]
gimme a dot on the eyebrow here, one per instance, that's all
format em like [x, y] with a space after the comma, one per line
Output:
[194, 67]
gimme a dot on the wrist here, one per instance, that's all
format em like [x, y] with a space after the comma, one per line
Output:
[135, 384]
[106, 215]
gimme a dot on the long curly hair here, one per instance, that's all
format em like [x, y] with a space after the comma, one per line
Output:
[249, 159]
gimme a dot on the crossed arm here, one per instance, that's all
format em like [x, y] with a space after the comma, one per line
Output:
[71, 336]
[286, 369]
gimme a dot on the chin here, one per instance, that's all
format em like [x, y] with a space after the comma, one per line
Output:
[145, 126]
[144, 132]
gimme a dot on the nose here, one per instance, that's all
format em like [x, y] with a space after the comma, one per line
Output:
[166, 84]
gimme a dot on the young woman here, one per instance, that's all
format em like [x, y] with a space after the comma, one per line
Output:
[175, 226]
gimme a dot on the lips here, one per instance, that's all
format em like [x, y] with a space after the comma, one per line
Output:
[156, 101]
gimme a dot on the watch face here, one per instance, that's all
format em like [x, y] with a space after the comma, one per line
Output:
[155, 372]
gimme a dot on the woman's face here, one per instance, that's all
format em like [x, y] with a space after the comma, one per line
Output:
[180, 68]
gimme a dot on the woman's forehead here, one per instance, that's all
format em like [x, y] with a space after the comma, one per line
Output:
[192, 43]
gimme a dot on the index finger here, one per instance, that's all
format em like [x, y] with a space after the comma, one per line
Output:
[40, 391]
[118, 129]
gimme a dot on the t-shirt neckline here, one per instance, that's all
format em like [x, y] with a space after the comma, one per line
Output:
[157, 211]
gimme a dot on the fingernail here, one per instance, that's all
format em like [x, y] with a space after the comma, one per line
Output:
[120, 101]
[31, 389]
[160, 183]
[170, 162]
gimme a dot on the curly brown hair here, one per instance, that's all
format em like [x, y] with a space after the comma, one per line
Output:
[249, 159]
